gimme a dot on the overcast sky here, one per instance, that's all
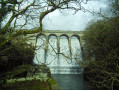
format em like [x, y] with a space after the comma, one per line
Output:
[67, 21]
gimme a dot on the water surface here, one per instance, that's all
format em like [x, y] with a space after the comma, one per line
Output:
[71, 81]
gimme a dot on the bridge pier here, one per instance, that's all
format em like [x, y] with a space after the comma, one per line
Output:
[58, 49]
[70, 51]
[46, 50]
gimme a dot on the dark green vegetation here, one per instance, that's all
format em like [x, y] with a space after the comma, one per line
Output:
[28, 85]
[51, 81]
[16, 56]
[5, 8]
[15, 53]
[102, 51]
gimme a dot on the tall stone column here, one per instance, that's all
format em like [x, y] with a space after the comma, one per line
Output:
[69, 43]
[82, 47]
[58, 49]
[46, 50]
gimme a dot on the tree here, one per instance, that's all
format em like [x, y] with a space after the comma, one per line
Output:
[16, 9]
[5, 9]
[101, 42]
[43, 7]
[115, 7]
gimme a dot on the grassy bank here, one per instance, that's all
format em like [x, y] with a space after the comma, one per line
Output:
[30, 85]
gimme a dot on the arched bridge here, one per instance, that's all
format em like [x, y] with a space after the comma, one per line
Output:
[58, 34]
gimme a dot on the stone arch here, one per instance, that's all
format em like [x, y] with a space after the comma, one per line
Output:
[40, 51]
[65, 49]
[40, 35]
[64, 35]
[76, 47]
[52, 35]
[76, 36]
[52, 48]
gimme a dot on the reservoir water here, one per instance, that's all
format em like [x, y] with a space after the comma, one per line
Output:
[71, 81]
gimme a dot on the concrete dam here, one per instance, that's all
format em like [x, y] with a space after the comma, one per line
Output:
[60, 51]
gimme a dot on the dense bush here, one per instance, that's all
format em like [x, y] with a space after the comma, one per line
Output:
[28, 85]
[102, 44]
[14, 53]
[101, 39]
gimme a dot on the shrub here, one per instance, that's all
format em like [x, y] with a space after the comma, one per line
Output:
[101, 42]
[14, 53]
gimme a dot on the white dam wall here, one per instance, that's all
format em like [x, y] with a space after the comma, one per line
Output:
[61, 56]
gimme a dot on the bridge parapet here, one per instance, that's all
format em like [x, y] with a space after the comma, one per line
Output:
[59, 33]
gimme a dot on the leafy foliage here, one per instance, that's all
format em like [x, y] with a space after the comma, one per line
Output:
[101, 43]
[14, 53]
[20, 71]
[101, 39]
[5, 8]
[28, 85]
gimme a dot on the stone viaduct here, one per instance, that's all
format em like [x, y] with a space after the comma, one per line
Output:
[58, 34]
